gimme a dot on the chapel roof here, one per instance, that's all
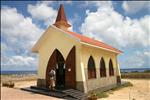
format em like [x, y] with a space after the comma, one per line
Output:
[61, 20]
[91, 41]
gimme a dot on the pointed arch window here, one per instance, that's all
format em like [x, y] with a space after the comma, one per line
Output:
[91, 68]
[102, 68]
[111, 69]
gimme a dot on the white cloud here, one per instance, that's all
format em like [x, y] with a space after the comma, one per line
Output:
[43, 12]
[19, 34]
[18, 62]
[108, 25]
[16, 29]
[69, 2]
[147, 53]
[125, 33]
[102, 4]
[138, 59]
[135, 6]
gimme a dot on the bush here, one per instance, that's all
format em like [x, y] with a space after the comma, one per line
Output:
[147, 71]
[8, 84]
[93, 96]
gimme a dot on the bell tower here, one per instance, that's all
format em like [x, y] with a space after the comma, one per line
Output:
[61, 20]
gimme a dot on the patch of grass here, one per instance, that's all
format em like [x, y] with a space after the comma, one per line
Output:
[97, 94]
[122, 86]
[100, 94]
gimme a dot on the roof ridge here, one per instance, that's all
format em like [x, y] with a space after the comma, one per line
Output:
[103, 44]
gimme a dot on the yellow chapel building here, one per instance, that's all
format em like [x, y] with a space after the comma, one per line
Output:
[81, 62]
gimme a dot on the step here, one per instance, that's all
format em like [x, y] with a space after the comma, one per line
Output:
[75, 93]
[50, 93]
[43, 88]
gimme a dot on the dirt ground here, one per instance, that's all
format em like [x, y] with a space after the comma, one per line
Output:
[17, 94]
[139, 91]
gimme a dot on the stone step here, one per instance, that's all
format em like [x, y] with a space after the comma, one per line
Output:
[76, 94]
[43, 88]
[66, 94]
[73, 91]
[50, 93]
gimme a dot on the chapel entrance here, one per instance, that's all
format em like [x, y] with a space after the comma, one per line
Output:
[65, 69]
[60, 71]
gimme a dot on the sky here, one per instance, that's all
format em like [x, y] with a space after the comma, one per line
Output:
[122, 24]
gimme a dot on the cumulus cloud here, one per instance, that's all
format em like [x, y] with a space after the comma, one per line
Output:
[17, 29]
[19, 61]
[135, 6]
[19, 34]
[102, 4]
[69, 2]
[138, 59]
[109, 26]
[43, 12]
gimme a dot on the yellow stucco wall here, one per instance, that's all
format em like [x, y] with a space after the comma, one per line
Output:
[97, 54]
[56, 39]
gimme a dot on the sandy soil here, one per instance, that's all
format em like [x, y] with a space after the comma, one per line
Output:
[17, 94]
[139, 91]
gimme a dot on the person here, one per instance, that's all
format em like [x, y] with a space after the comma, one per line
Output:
[52, 79]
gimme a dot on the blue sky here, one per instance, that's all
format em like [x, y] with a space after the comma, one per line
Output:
[122, 24]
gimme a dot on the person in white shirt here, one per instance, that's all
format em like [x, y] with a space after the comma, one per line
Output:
[52, 75]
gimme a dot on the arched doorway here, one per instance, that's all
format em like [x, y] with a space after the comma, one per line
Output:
[56, 61]
[65, 69]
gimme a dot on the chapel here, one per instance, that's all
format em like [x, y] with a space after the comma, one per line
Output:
[81, 62]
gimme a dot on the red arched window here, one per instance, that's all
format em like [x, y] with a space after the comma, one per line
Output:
[102, 68]
[91, 68]
[111, 69]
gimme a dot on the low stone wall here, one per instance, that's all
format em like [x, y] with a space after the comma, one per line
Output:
[80, 86]
[93, 84]
[41, 83]
[104, 83]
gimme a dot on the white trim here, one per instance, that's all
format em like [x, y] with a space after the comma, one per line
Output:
[99, 47]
